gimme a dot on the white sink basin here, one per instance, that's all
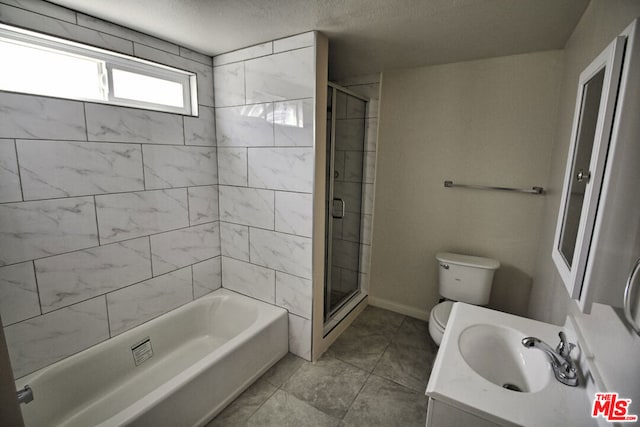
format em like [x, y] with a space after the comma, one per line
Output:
[497, 355]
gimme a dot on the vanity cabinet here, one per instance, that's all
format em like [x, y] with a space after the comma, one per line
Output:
[597, 236]
[440, 414]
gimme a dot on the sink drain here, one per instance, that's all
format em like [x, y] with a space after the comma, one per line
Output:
[512, 387]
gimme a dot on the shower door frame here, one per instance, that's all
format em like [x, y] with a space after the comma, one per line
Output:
[332, 318]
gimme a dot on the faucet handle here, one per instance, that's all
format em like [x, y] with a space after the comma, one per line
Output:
[564, 347]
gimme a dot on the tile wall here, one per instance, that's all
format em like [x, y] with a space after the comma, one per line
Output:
[264, 98]
[109, 215]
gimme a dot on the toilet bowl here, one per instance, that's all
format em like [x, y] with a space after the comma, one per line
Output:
[462, 278]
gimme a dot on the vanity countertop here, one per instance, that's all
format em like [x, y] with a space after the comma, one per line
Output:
[454, 382]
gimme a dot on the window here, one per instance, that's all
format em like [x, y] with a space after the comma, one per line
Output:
[43, 65]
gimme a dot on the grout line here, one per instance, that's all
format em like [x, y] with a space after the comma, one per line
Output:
[86, 126]
[95, 212]
[144, 178]
[15, 148]
[35, 277]
[106, 305]
[150, 256]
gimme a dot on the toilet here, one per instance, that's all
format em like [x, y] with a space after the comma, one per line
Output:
[461, 278]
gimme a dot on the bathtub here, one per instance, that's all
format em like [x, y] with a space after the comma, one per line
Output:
[192, 362]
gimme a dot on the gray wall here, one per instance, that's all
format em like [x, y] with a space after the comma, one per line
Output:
[486, 122]
[265, 100]
[99, 232]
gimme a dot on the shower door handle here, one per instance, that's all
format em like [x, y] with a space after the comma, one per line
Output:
[340, 209]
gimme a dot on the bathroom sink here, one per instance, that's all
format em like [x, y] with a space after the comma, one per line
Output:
[497, 355]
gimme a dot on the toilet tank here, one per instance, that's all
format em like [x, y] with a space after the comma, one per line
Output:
[466, 278]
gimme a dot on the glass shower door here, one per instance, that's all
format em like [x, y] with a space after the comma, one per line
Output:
[345, 153]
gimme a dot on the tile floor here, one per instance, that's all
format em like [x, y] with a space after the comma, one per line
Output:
[375, 374]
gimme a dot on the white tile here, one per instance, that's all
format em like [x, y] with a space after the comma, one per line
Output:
[70, 278]
[351, 194]
[247, 206]
[179, 248]
[52, 169]
[294, 42]
[293, 122]
[350, 134]
[282, 252]
[369, 194]
[232, 166]
[136, 304]
[245, 126]
[203, 72]
[170, 166]
[125, 216]
[367, 230]
[30, 230]
[340, 103]
[22, 18]
[360, 80]
[294, 213]
[345, 254]
[196, 56]
[370, 91]
[248, 279]
[43, 340]
[18, 293]
[338, 165]
[200, 130]
[294, 294]
[300, 336]
[351, 227]
[289, 169]
[244, 54]
[119, 124]
[371, 134]
[203, 204]
[356, 108]
[9, 178]
[125, 33]
[44, 8]
[228, 82]
[353, 168]
[26, 116]
[234, 240]
[287, 75]
[365, 259]
[207, 276]
[369, 167]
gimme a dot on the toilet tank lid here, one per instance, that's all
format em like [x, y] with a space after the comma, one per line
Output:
[468, 260]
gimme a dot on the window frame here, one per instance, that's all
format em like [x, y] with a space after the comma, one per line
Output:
[112, 60]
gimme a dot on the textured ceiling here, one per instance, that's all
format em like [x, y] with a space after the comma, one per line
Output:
[366, 36]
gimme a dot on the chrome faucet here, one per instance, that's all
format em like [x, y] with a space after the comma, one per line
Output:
[561, 363]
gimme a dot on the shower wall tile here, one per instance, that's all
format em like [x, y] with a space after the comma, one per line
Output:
[203, 204]
[287, 75]
[345, 254]
[369, 191]
[300, 336]
[351, 194]
[129, 215]
[244, 126]
[30, 230]
[369, 167]
[356, 108]
[365, 258]
[351, 227]
[353, 165]
[371, 134]
[294, 294]
[294, 213]
[45, 8]
[249, 279]
[338, 165]
[351, 133]
[167, 167]
[51, 169]
[232, 166]
[18, 293]
[195, 56]
[204, 73]
[234, 240]
[282, 252]
[289, 169]
[228, 83]
[9, 177]
[247, 206]
[367, 231]
[179, 248]
[43, 340]
[207, 276]
[118, 31]
[22, 18]
[244, 54]
[25, 116]
[118, 124]
[70, 278]
[134, 305]
[293, 123]
[294, 42]
[200, 130]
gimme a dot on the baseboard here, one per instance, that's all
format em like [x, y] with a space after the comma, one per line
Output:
[399, 308]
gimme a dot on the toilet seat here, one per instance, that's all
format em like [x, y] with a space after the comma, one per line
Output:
[441, 313]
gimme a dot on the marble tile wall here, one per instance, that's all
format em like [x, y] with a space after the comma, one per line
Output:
[108, 215]
[349, 164]
[264, 97]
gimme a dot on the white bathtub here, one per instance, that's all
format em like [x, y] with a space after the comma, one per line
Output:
[204, 355]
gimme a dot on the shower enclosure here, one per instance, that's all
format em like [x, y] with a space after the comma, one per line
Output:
[346, 112]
